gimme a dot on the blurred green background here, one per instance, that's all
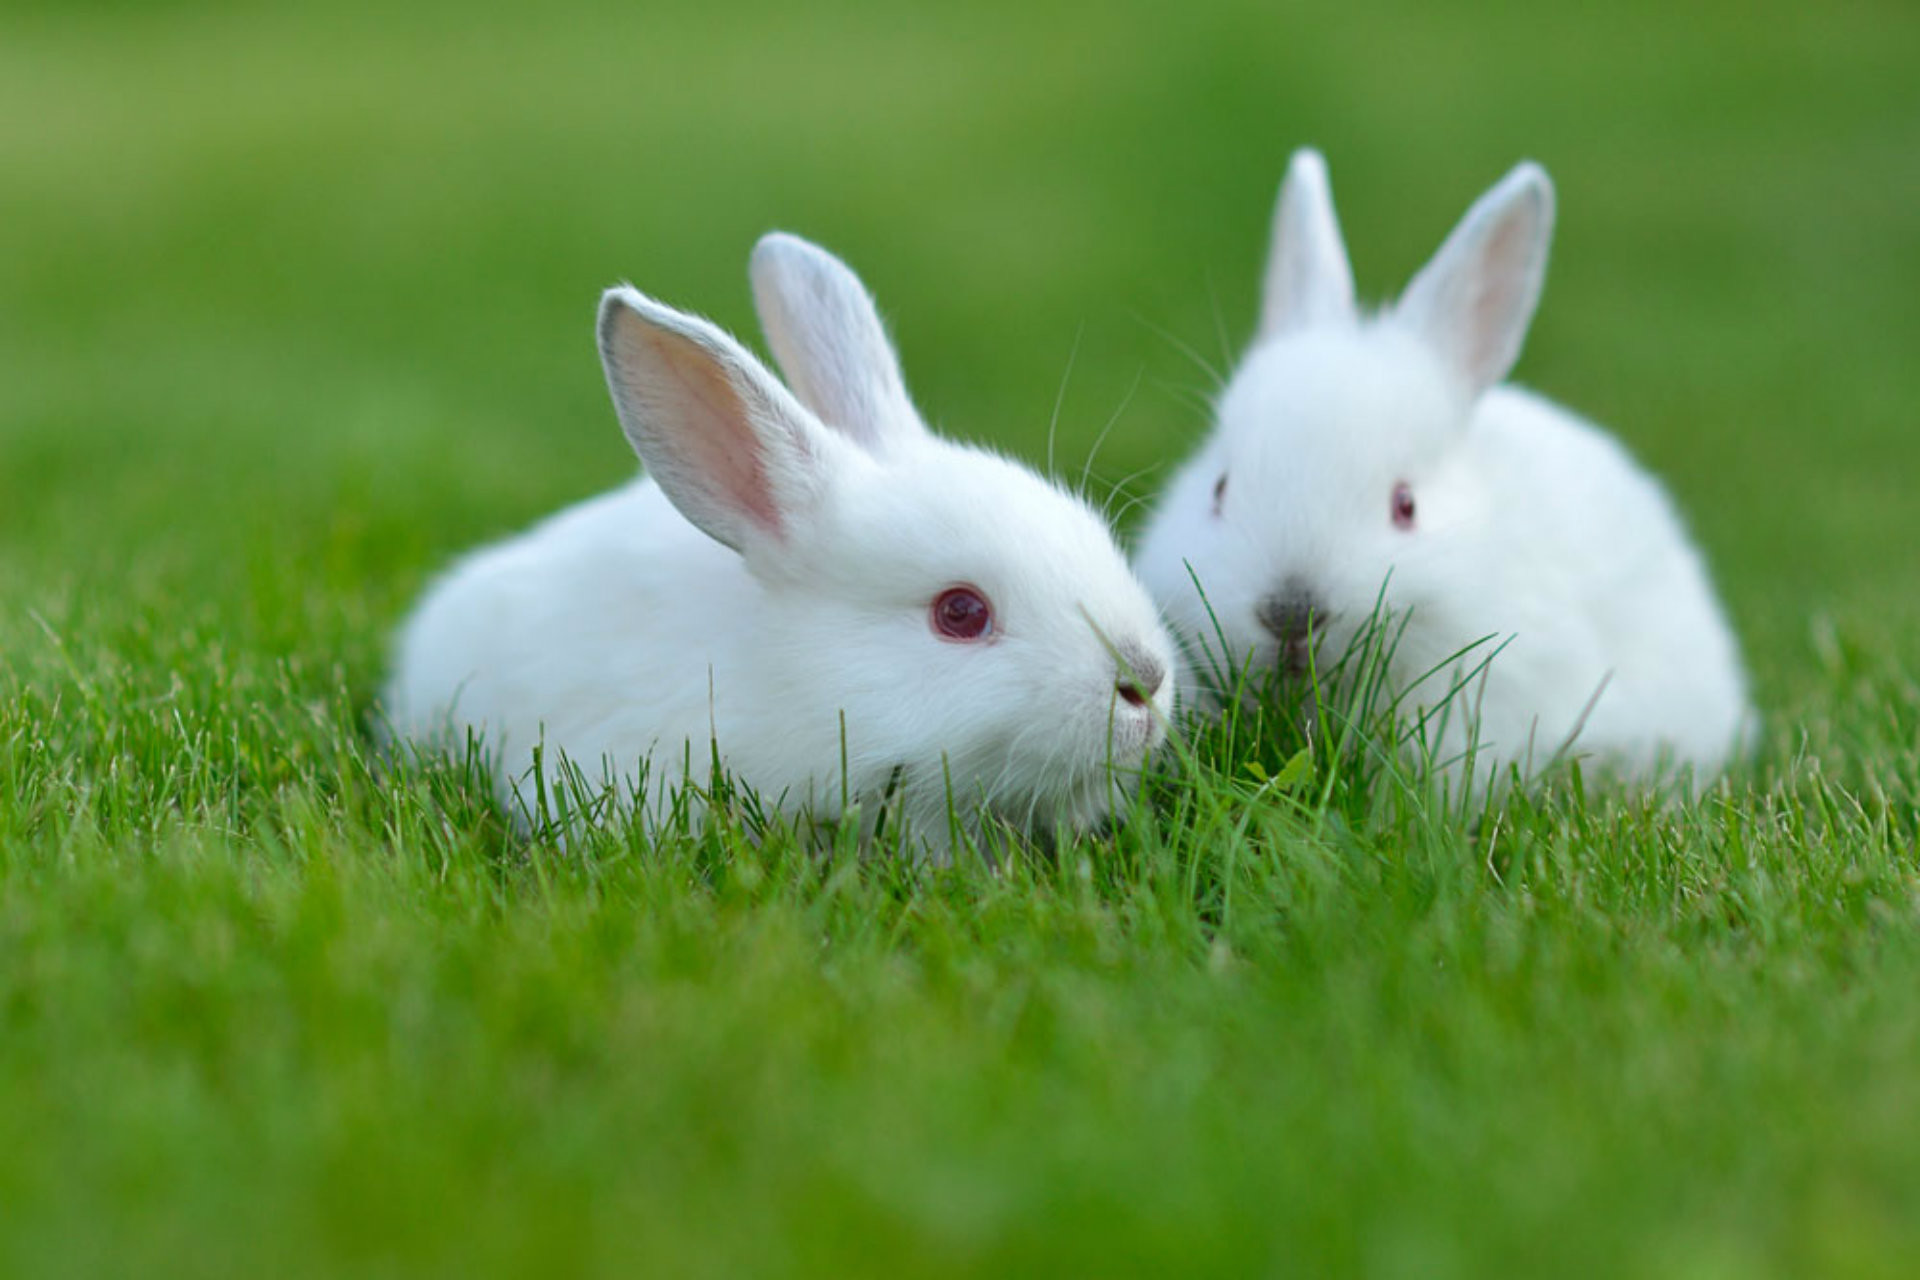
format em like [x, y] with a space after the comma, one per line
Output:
[297, 295]
[296, 303]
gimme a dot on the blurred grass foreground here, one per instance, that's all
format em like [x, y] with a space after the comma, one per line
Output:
[295, 304]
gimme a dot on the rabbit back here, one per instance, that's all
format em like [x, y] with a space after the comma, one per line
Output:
[599, 632]
[1606, 580]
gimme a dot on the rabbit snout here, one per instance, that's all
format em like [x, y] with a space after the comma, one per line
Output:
[1296, 618]
[1139, 675]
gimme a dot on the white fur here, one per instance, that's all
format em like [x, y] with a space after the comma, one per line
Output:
[770, 579]
[1533, 528]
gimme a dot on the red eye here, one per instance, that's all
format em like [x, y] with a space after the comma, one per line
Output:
[961, 613]
[1402, 506]
[1219, 492]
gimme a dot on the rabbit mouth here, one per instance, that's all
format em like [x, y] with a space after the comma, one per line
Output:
[1133, 729]
[1297, 621]
[1301, 657]
[1294, 656]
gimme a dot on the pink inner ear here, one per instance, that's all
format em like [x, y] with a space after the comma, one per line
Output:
[1496, 293]
[722, 445]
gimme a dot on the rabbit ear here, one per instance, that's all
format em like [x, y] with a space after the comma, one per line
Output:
[828, 338]
[1475, 299]
[724, 440]
[1308, 278]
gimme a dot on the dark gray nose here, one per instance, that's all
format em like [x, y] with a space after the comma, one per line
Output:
[1293, 616]
[1140, 675]
[1289, 615]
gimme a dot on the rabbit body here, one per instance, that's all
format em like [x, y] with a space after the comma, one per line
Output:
[1361, 462]
[764, 595]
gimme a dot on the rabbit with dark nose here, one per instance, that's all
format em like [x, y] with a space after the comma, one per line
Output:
[1360, 460]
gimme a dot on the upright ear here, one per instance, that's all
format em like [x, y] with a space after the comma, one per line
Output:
[724, 440]
[1474, 301]
[828, 338]
[1309, 280]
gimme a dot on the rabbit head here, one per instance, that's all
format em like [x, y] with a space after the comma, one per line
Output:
[1339, 477]
[972, 626]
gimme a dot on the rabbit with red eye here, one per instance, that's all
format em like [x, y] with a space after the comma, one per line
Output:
[801, 577]
[1365, 460]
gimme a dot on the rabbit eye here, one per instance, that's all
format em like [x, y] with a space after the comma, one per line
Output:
[961, 613]
[1219, 492]
[1402, 506]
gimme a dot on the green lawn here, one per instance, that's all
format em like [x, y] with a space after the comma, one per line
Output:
[294, 306]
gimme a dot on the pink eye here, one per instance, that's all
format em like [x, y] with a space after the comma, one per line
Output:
[1402, 506]
[961, 613]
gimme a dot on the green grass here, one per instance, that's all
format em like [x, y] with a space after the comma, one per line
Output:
[294, 306]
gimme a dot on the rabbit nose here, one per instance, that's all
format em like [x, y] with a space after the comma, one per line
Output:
[1295, 618]
[1141, 675]
[1288, 615]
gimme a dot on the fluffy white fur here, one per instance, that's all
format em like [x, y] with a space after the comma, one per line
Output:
[1533, 529]
[770, 578]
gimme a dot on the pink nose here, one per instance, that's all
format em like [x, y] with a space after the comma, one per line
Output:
[1140, 678]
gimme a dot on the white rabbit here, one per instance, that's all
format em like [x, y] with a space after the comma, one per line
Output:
[1359, 453]
[793, 568]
